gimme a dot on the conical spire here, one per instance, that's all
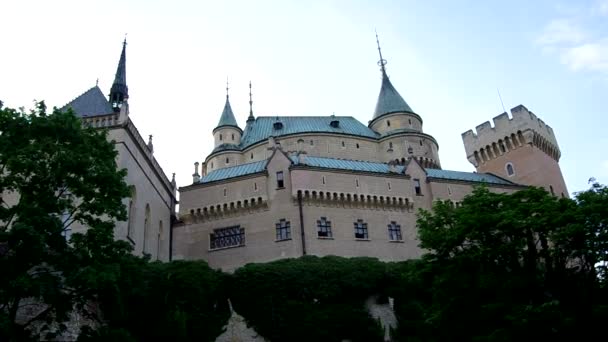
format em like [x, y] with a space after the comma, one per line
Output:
[119, 91]
[227, 118]
[389, 100]
[251, 117]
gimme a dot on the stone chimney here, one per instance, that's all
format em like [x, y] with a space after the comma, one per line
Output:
[195, 176]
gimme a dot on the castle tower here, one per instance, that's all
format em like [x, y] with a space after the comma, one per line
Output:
[227, 130]
[393, 117]
[522, 149]
[119, 92]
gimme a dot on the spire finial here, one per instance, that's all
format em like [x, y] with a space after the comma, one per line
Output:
[227, 88]
[97, 82]
[250, 118]
[124, 42]
[382, 62]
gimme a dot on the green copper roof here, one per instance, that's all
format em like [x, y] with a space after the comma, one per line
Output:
[234, 171]
[345, 164]
[90, 103]
[264, 127]
[389, 100]
[467, 176]
[227, 118]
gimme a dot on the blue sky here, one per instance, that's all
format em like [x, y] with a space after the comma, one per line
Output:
[447, 59]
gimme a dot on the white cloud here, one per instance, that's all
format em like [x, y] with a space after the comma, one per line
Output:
[576, 41]
[561, 31]
[588, 56]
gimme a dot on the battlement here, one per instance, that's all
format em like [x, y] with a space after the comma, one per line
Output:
[523, 124]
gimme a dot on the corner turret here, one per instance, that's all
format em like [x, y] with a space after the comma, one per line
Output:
[227, 130]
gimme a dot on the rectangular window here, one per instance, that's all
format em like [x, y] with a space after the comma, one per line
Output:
[417, 187]
[255, 186]
[394, 231]
[323, 227]
[283, 230]
[361, 230]
[225, 192]
[280, 180]
[227, 237]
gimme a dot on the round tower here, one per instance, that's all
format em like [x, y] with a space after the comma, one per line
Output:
[400, 127]
[227, 130]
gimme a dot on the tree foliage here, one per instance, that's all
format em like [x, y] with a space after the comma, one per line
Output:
[506, 267]
[54, 174]
[310, 298]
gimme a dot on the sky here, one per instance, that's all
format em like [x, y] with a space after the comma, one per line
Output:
[448, 59]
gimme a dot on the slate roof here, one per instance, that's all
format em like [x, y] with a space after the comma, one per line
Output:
[389, 100]
[345, 164]
[467, 176]
[263, 127]
[227, 118]
[90, 103]
[226, 147]
[234, 171]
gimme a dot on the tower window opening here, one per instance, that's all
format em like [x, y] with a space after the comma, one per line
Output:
[420, 142]
[389, 185]
[227, 160]
[323, 179]
[255, 186]
[252, 155]
[312, 143]
[417, 187]
[357, 183]
[232, 136]
[390, 145]
[357, 145]
[388, 123]
[225, 192]
[221, 137]
[280, 180]
[410, 121]
[510, 169]
[343, 144]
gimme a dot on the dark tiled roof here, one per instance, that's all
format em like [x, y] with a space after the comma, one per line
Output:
[345, 164]
[467, 176]
[227, 118]
[263, 127]
[234, 171]
[226, 147]
[91, 103]
[389, 100]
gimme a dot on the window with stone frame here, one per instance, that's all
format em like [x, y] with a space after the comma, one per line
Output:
[323, 228]
[394, 231]
[227, 237]
[361, 230]
[283, 230]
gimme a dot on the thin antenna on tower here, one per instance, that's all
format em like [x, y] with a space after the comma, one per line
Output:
[382, 61]
[500, 97]
[250, 118]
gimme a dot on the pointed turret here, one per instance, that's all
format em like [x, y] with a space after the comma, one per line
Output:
[119, 92]
[227, 132]
[389, 99]
[251, 118]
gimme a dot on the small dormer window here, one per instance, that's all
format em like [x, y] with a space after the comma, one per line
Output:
[335, 123]
[277, 125]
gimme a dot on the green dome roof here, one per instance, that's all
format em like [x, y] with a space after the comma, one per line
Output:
[389, 100]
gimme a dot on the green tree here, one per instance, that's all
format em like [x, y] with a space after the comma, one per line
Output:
[310, 298]
[506, 267]
[54, 174]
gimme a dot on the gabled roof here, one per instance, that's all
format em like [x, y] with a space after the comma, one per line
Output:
[227, 118]
[264, 127]
[90, 103]
[234, 171]
[467, 176]
[389, 100]
[345, 164]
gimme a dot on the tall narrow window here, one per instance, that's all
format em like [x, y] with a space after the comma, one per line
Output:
[357, 183]
[255, 186]
[283, 230]
[417, 187]
[323, 228]
[389, 185]
[420, 142]
[225, 192]
[227, 160]
[323, 180]
[510, 169]
[227, 237]
[251, 156]
[410, 121]
[357, 145]
[220, 137]
[131, 218]
[388, 123]
[280, 180]
[232, 136]
[160, 237]
[394, 231]
[390, 145]
[146, 228]
[361, 230]
[343, 145]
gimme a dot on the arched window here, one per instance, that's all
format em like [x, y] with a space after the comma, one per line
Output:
[160, 237]
[509, 169]
[146, 228]
[132, 212]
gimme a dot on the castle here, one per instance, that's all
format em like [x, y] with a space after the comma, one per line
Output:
[287, 186]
